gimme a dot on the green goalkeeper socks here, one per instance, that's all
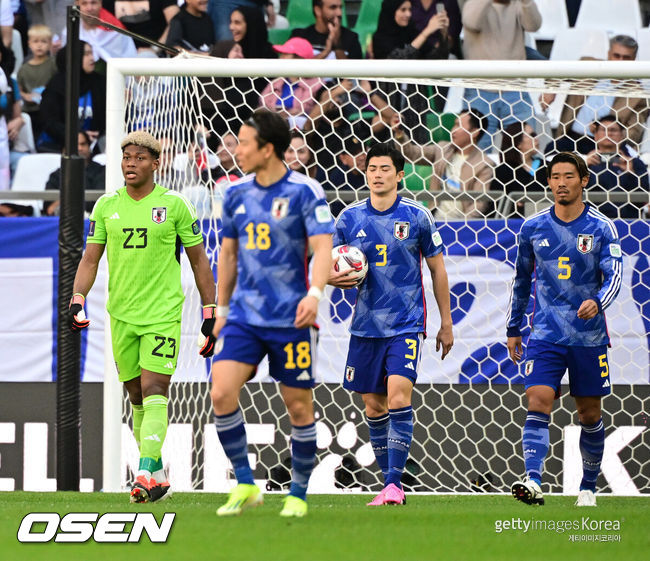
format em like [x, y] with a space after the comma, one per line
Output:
[138, 415]
[152, 431]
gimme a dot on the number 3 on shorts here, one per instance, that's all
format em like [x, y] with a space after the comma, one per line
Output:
[412, 344]
[602, 360]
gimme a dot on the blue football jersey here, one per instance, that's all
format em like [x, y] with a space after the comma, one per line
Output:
[571, 262]
[391, 299]
[272, 225]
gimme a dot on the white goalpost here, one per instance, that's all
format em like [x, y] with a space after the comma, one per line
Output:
[469, 410]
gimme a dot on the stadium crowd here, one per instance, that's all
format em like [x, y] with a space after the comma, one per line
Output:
[488, 141]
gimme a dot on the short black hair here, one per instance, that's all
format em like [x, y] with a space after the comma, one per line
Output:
[477, 121]
[569, 158]
[386, 149]
[606, 119]
[272, 128]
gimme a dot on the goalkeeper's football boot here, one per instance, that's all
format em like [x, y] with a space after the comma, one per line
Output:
[159, 491]
[243, 496]
[393, 495]
[140, 490]
[527, 491]
[586, 497]
[379, 500]
[293, 507]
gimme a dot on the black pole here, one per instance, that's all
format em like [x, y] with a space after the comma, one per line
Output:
[71, 228]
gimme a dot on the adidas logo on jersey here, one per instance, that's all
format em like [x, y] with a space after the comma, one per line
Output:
[409, 365]
[170, 364]
[241, 209]
[114, 217]
[544, 243]
[361, 234]
[154, 437]
[303, 376]
[606, 384]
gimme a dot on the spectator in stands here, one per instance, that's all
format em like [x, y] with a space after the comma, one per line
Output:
[292, 96]
[347, 175]
[579, 112]
[459, 165]
[92, 103]
[235, 98]
[521, 167]
[273, 18]
[424, 10]
[48, 12]
[299, 156]
[104, 42]
[397, 38]
[614, 166]
[191, 29]
[6, 22]
[34, 74]
[11, 120]
[150, 19]
[226, 154]
[94, 174]
[494, 30]
[220, 11]
[327, 35]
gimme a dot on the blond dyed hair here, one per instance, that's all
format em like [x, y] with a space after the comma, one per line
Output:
[39, 31]
[143, 139]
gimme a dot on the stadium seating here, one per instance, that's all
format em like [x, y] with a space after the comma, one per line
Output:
[32, 173]
[573, 44]
[440, 125]
[367, 21]
[554, 19]
[279, 36]
[25, 140]
[416, 178]
[643, 38]
[17, 48]
[613, 16]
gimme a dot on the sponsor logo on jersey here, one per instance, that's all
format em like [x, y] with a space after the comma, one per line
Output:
[544, 243]
[323, 215]
[241, 209]
[606, 384]
[349, 373]
[409, 365]
[114, 216]
[279, 207]
[170, 364]
[196, 228]
[361, 234]
[528, 369]
[303, 376]
[437, 239]
[585, 243]
[159, 214]
[401, 230]
[615, 250]
[91, 228]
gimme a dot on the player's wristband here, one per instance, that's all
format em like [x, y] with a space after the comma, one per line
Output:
[223, 311]
[78, 298]
[315, 292]
[209, 311]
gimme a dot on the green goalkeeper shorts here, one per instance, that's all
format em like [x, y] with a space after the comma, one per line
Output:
[152, 347]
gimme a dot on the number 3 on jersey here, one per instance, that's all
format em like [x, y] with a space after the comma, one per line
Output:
[381, 252]
[258, 236]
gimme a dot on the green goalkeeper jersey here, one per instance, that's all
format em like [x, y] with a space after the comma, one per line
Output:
[142, 241]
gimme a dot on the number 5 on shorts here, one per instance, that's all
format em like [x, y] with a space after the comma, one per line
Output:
[602, 360]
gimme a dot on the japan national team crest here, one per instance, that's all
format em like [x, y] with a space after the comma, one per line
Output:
[585, 243]
[401, 230]
[159, 214]
[349, 373]
[280, 208]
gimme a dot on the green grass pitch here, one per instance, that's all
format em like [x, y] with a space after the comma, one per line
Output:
[341, 528]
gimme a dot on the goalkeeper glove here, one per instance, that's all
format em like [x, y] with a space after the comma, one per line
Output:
[206, 339]
[76, 313]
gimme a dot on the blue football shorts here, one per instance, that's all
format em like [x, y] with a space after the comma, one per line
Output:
[291, 351]
[372, 359]
[588, 368]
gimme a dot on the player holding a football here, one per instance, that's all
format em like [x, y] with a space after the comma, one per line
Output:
[574, 253]
[265, 305]
[389, 322]
[141, 225]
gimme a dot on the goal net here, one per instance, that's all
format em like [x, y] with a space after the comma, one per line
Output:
[469, 409]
